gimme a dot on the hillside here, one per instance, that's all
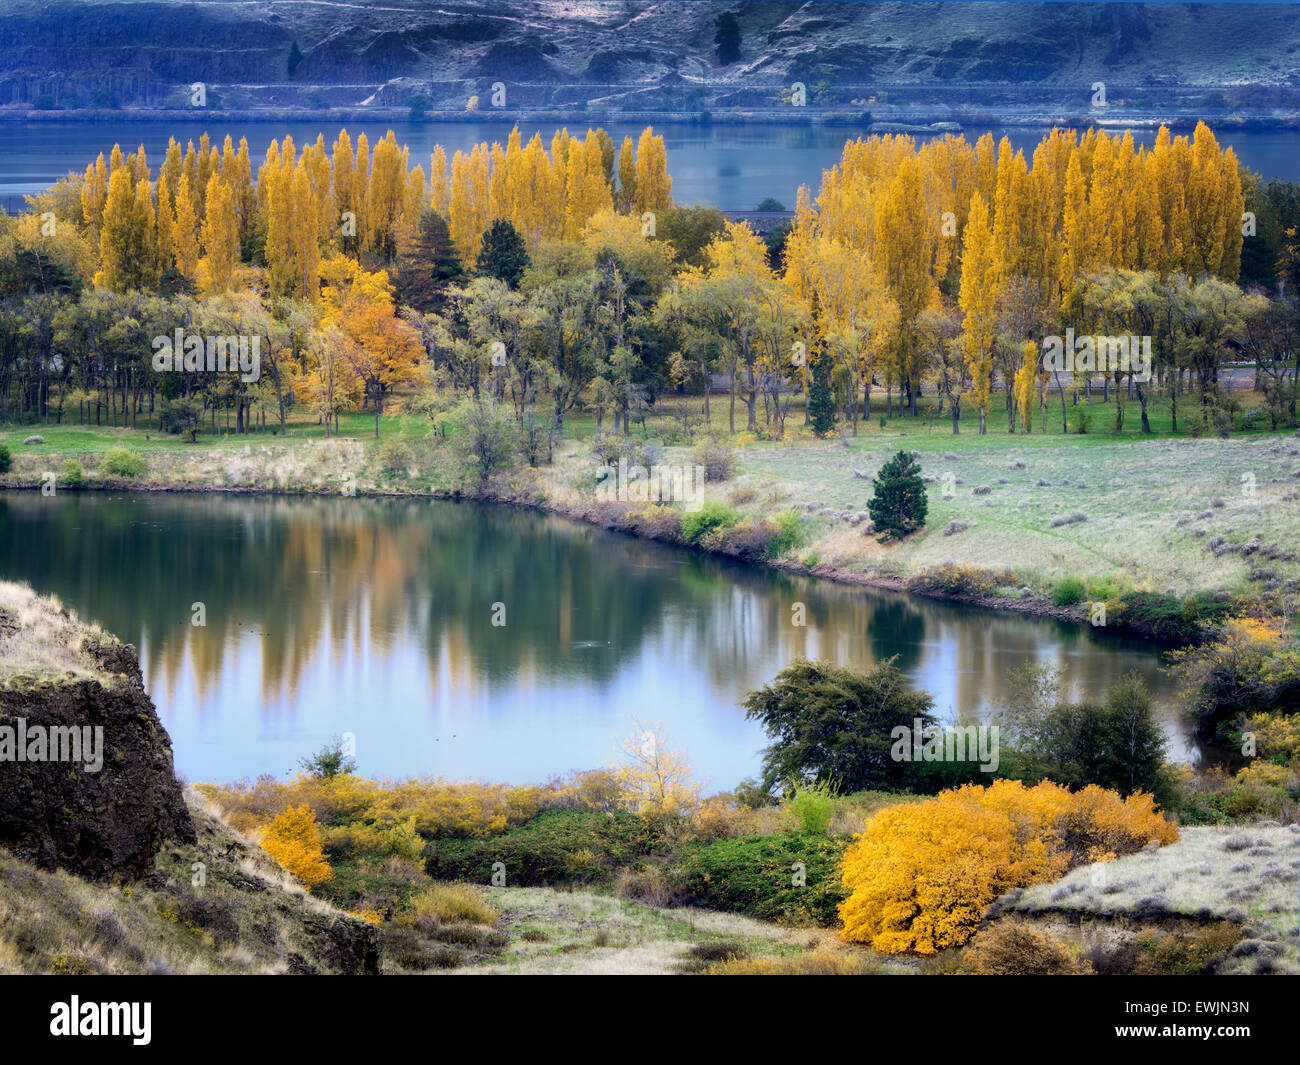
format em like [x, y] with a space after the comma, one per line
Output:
[633, 55]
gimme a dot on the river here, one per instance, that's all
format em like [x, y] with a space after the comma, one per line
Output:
[728, 166]
[376, 618]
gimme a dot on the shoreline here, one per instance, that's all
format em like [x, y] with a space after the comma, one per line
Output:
[1036, 605]
[940, 120]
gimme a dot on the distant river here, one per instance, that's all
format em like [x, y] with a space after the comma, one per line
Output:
[375, 617]
[728, 166]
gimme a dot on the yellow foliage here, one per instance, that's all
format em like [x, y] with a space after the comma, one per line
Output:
[655, 782]
[921, 875]
[293, 839]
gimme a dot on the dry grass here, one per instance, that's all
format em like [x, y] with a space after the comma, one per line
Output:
[41, 639]
[453, 902]
[570, 932]
[826, 960]
[244, 917]
[1245, 875]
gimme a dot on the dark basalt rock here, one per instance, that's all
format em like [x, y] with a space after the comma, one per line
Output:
[106, 825]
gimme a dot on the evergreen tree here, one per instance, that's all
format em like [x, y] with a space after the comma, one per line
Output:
[821, 404]
[898, 504]
[428, 266]
[502, 254]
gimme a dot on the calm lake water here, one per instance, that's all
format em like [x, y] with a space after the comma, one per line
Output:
[732, 167]
[375, 618]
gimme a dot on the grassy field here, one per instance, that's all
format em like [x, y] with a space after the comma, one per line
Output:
[1160, 512]
[1246, 875]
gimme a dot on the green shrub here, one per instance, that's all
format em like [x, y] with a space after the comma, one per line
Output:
[789, 533]
[6, 459]
[1068, 590]
[73, 475]
[711, 517]
[812, 806]
[123, 462]
[555, 847]
[757, 876]
[1167, 617]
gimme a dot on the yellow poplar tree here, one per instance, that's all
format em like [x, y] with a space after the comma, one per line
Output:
[977, 300]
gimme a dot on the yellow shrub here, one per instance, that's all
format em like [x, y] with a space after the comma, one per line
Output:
[293, 839]
[1277, 735]
[1270, 774]
[922, 874]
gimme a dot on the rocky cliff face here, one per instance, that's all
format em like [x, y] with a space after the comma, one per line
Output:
[86, 777]
[145, 52]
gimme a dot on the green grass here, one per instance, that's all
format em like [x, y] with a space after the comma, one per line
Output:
[1155, 505]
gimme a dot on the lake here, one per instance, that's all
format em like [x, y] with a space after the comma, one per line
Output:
[728, 166]
[375, 617]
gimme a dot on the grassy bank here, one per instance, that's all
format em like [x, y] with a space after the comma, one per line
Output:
[1044, 523]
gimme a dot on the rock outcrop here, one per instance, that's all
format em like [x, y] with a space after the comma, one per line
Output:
[69, 54]
[86, 777]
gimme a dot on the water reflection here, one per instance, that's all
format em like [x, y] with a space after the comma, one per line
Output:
[377, 618]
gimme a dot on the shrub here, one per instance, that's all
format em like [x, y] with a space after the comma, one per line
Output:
[1118, 744]
[330, 761]
[832, 724]
[755, 875]
[750, 540]
[1252, 666]
[969, 582]
[346, 842]
[1167, 617]
[490, 437]
[710, 518]
[1017, 948]
[404, 841]
[609, 448]
[293, 839]
[898, 502]
[395, 456]
[1158, 953]
[6, 459]
[542, 851]
[922, 874]
[717, 457]
[655, 782]
[122, 462]
[655, 521]
[73, 476]
[445, 903]
[787, 535]
[812, 806]
[1068, 590]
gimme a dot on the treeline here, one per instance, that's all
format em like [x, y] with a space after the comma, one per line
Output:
[545, 280]
[949, 263]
